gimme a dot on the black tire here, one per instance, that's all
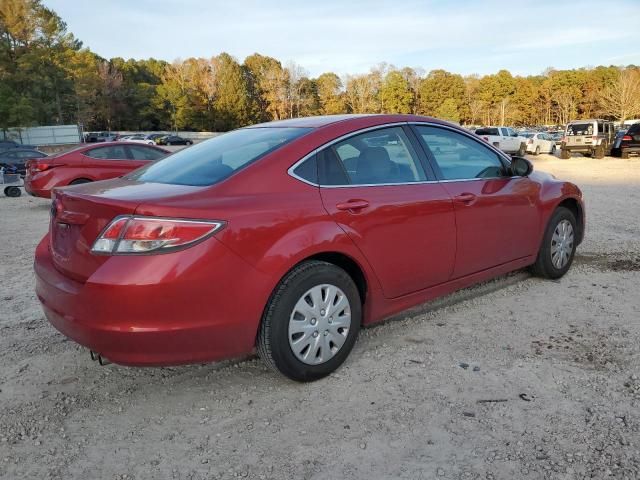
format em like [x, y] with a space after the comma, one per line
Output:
[522, 150]
[273, 340]
[537, 152]
[544, 266]
[565, 154]
[12, 192]
[599, 152]
[553, 150]
[80, 181]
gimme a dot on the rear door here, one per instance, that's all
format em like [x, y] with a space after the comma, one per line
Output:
[110, 161]
[496, 215]
[376, 189]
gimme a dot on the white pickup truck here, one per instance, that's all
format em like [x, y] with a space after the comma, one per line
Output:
[504, 138]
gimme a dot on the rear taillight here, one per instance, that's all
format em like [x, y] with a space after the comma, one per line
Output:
[627, 138]
[39, 165]
[486, 139]
[530, 141]
[136, 234]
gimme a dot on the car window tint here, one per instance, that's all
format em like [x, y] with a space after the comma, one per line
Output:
[215, 159]
[580, 129]
[143, 153]
[460, 157]
[115, 152]
[487, 131]
[372, 158]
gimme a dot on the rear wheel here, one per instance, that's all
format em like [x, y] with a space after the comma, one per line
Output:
[599, 152]
[522, 150]
[311, 322]
[553, 150]
[12, 192]
[80, 181]
[558, 246]
[537, 152]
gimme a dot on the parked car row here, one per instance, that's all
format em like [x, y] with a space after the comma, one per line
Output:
[150, 139]
[87, 163]
[591, 137]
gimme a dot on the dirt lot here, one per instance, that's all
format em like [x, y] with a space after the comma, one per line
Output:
[518, 378]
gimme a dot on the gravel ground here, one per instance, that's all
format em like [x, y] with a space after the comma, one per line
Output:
[518, 378]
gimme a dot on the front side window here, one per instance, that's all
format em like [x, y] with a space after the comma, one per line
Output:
[115, 152]
[216, 159]
[459, 157]
[383, 156]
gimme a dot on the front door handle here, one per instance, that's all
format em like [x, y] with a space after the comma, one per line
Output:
[353, 205]
[466, 198]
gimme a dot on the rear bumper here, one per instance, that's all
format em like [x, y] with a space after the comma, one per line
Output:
[34, 189]
[133, 317]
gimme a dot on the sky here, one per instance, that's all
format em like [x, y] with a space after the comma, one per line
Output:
[348, 37]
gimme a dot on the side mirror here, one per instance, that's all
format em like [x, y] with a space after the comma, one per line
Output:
[521, 167]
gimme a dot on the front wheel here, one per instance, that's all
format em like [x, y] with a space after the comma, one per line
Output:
[311, 322]
[558, 245]
[553, 150]
[537, 152]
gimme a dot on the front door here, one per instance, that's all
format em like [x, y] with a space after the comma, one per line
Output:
[374, 187]
[496, 215]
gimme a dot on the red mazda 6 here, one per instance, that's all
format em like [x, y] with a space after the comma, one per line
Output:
[87, 163]
[286, 237]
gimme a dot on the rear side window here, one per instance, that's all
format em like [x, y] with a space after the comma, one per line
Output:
[145, 153]
[216, 159]
[634, 129]
[377, 157]
[115, 152]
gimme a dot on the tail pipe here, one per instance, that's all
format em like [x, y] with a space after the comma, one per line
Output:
[101, 360]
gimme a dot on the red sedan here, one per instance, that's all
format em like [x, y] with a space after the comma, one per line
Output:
[286, 237]
[87, 163]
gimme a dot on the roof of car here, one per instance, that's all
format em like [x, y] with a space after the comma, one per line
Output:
[324, 120]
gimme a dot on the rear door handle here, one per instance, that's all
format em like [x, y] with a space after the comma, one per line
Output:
[353, 205]
[466, 198]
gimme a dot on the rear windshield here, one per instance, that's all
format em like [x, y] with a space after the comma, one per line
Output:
[527, 134]
[580, 129]
[216, 159]
[487, 131]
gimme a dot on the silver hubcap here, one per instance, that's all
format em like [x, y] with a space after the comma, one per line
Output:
[561, 244]
[319, 324]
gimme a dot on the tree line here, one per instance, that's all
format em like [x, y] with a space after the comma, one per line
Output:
[48, 78]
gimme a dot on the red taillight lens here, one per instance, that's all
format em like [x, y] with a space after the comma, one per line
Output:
[37, 165]
[627, 138]
[131, 235]
[486, 139]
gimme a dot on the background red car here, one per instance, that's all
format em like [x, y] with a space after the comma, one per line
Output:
[87, 163]
[286, 237]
